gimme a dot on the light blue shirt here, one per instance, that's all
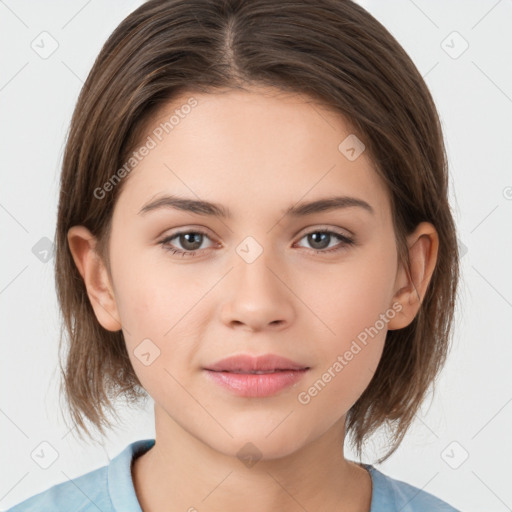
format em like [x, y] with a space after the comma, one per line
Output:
[110, 489]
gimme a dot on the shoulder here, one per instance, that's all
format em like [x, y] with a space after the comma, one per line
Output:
[107, 489]
[390, 494]
[82, 494]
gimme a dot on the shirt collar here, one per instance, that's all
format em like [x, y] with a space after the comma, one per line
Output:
[120, 482]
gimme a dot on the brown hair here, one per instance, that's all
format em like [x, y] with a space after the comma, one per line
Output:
[331, 50]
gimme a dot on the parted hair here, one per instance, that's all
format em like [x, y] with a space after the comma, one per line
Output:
[333, 51]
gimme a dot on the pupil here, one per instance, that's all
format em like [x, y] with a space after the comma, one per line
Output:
[317, 240]
[191, 238]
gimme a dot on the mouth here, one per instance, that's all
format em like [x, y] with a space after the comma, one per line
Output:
[245, 363]
[250, 376]
[259, 372]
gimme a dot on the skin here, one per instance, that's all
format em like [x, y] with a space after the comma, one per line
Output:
[256, 152]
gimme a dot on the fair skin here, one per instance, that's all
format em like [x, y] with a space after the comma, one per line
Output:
[256, 153]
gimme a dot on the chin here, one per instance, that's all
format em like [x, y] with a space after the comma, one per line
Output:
[254, 444]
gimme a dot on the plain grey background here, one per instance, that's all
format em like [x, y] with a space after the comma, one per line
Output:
[459, 447]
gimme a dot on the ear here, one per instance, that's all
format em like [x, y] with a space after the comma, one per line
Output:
[410, 288]
[82, 245]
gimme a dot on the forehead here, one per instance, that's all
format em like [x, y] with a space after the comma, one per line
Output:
[261, 148]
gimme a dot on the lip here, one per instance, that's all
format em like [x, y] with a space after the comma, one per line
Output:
[235, 374]
[245, 363]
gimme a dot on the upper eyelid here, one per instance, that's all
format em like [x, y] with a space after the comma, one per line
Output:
[302, 233]
[306, 230]
[322, 227]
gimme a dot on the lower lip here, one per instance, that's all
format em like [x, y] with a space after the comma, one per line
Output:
[256, 385]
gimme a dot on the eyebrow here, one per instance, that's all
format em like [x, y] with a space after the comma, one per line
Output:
[208, 208]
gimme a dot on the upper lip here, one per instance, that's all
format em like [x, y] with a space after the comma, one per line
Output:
[247, 363]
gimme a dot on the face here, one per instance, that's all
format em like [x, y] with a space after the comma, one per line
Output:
[314, 286]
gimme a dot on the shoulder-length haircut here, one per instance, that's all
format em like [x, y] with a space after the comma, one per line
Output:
[331, 50]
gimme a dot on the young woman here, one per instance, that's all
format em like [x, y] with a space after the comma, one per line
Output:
[254, 230]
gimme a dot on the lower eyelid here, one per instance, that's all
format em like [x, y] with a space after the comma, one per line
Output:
[167, 240]
[344, 242]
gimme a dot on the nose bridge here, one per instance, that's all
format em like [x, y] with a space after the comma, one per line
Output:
[258, 263]
[256, 295]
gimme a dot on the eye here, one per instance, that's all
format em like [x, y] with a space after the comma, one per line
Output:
[320, 239]
[190, 241]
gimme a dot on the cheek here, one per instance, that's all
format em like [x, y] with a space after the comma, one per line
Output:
[161, 312]
[142, 305]
[146, 295]
[334, 388]
[349, 297]
[353, 308]
[349, 351]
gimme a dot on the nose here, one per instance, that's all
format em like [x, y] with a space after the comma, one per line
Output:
[256, 297]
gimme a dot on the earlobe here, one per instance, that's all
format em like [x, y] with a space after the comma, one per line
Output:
[411, 286]
[91, 267]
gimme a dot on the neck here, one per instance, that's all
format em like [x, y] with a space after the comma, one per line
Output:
[180, 472]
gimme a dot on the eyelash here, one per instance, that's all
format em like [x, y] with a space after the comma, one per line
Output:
[179, 252]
